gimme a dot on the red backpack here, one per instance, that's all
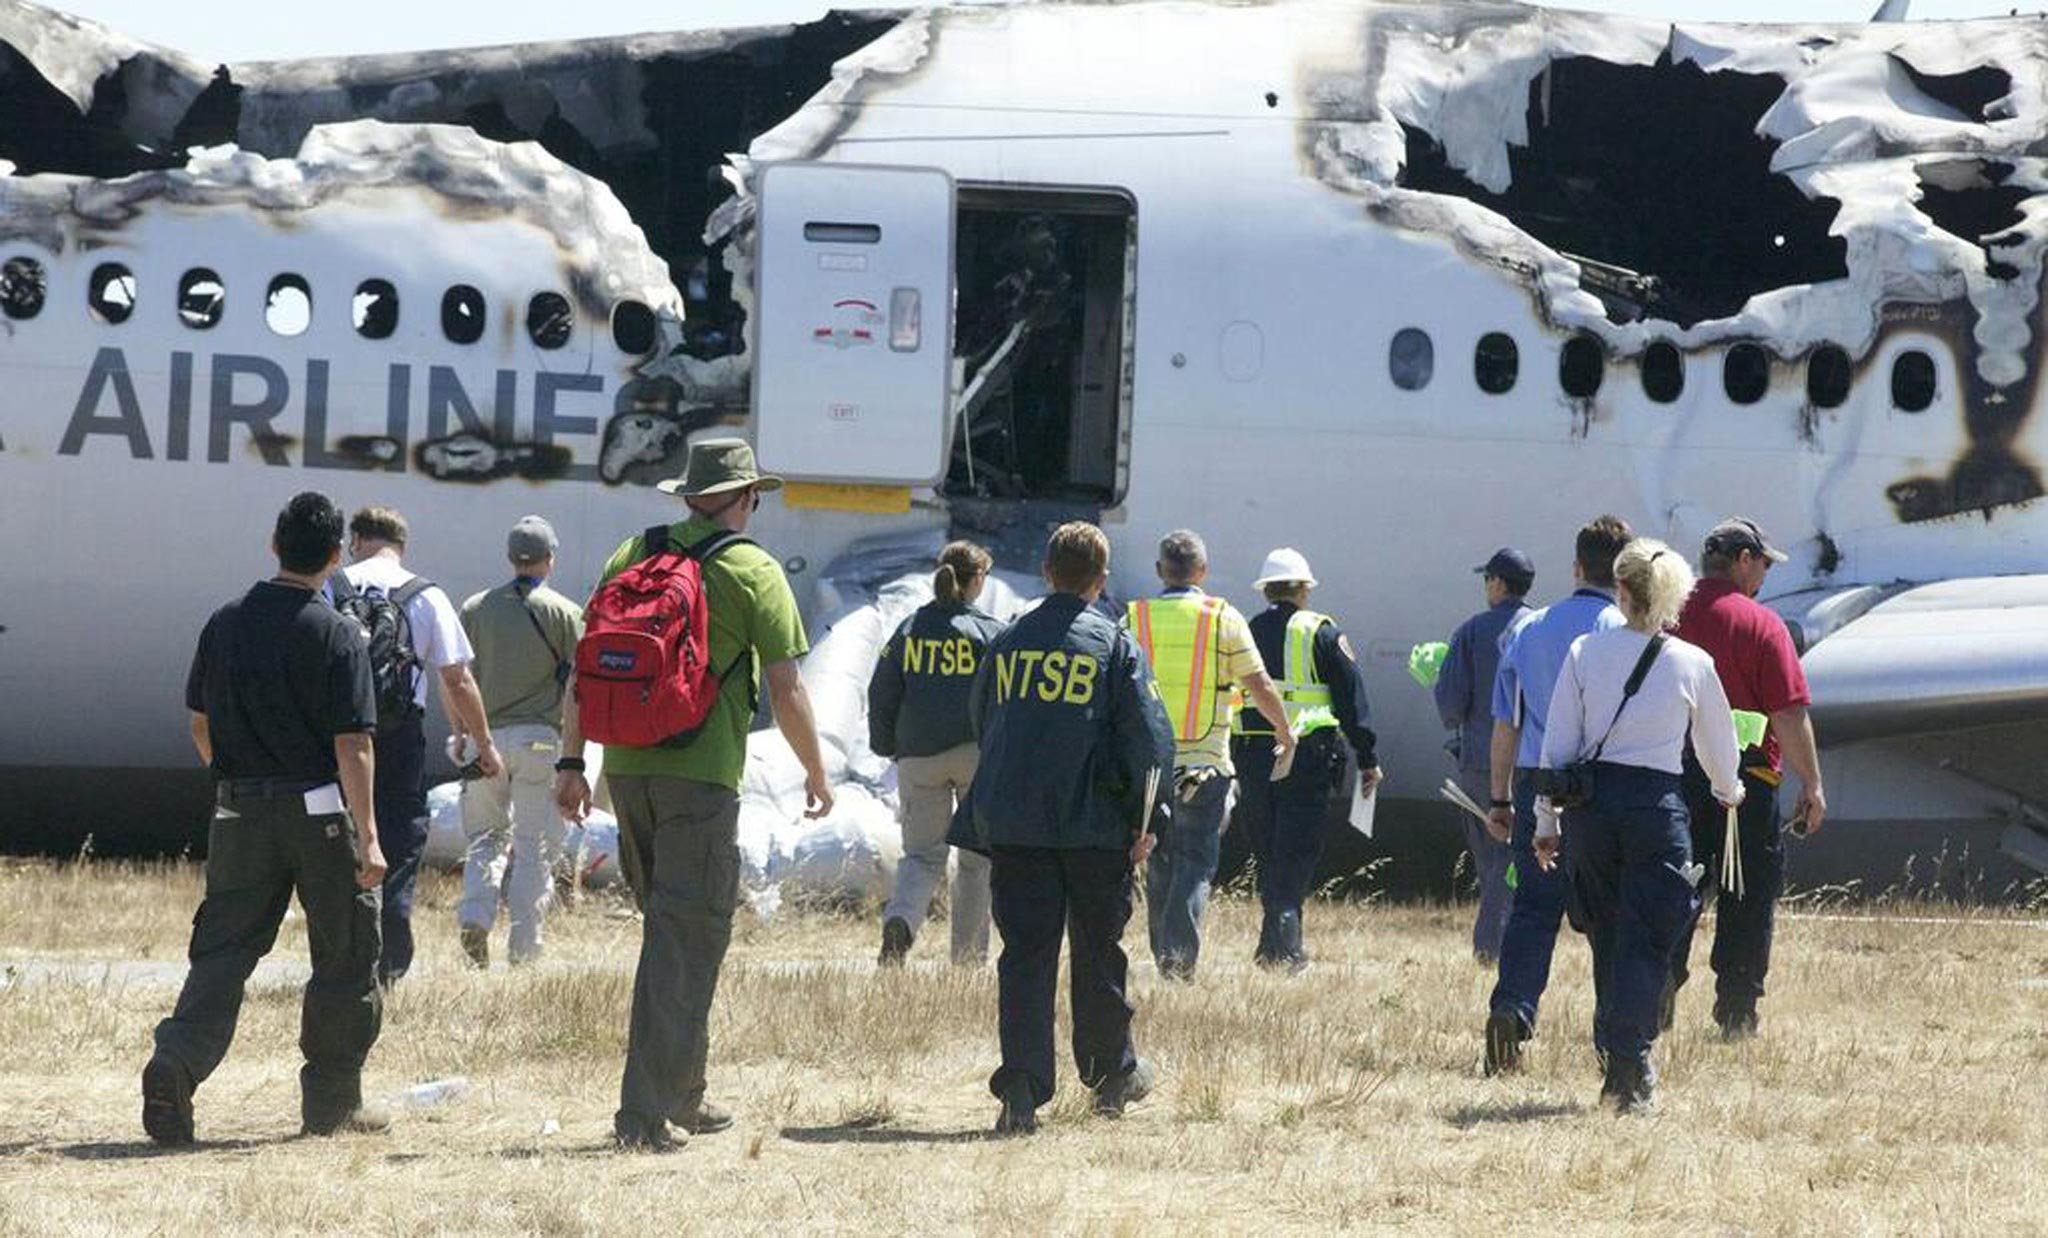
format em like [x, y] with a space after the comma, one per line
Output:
[643, 668]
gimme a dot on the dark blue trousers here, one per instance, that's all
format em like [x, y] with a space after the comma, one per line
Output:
[1284, 821]
[1038, 895]
[1743, 927]
[1630, 895]
[401, 794]
[1533, 920]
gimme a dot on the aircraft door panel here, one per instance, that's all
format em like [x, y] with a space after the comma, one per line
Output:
[854, 318]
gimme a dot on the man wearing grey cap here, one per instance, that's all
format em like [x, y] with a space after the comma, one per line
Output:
[1464, 699]
[525, 638]
[1760, 671]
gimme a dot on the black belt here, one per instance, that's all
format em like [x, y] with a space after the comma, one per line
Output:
[269, 788]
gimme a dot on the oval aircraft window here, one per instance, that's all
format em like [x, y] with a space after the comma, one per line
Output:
[1746, 373]
[1580, 367]
[462, 314]
[1411, 359]
[110, 294]
[201, 298]
[1827, 377]
[633, 328]
[375, 309]
[1912, 381]
[23, 286]
[549, 319]
[288, 306]
[1495, 363]
[1663, 372]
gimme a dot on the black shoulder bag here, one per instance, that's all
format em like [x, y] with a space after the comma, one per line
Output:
[1572, 786]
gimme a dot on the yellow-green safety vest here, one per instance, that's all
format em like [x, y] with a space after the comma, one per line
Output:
[1302, 691]
[1180, 635]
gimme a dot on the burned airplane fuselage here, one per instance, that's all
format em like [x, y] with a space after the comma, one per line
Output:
[1392, 283]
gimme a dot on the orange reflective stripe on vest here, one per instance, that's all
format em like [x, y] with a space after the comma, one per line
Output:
[1180, 638]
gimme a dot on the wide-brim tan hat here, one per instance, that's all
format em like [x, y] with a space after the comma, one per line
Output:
[717, 465]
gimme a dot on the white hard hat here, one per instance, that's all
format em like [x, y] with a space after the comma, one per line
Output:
[1285, 564]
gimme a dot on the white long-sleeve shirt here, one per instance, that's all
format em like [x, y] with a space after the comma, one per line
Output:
[1681, 695]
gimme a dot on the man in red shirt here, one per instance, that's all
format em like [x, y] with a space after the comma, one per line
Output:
[1760, 671]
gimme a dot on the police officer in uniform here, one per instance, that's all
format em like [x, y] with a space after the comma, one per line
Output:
[1074, 746]
[1464, 699]
[917, 713]
[283, 712]
[1324, 694]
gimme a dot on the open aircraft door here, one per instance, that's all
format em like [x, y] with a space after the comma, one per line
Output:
[854, 323]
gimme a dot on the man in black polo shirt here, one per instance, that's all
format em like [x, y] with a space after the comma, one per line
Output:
[283, 712]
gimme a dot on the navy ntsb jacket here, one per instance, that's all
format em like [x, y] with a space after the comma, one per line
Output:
[917, 697]
[1070, 723]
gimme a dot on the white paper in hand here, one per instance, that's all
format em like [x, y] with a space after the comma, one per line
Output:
[1362, 810]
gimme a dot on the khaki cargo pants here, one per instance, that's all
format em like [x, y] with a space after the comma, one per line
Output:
[679, 848]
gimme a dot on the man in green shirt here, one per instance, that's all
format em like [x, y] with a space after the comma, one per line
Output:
[525, 635]
[679, 807]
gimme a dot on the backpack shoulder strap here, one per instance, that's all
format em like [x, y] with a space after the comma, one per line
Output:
[654, 541]
[341, 587]
[411, 589]
[716, 544]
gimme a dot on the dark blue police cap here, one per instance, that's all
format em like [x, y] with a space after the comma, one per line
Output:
[1509, 565]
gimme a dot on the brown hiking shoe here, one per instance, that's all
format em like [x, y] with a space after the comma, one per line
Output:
[705, 1119]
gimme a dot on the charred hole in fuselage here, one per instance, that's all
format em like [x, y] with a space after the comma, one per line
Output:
[1611, 177]
[1973, 199]
[699, 107]
[1745, 373]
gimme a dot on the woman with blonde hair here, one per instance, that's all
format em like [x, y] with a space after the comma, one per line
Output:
[1614, 745]
[917, 713]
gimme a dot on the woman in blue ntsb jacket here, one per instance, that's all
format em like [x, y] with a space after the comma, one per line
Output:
[917, 713]
[1624, 706]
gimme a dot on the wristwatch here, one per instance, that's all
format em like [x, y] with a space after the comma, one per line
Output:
[1495, 804]
[569, 765]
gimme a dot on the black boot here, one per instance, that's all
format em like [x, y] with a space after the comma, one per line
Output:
[1020, 1112]
[896, 938]
[1270, 952]
[1504, 1037]
[1292, 954]
[1634, 1083]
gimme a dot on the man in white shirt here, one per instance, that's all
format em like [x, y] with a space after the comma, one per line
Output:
[377, 537]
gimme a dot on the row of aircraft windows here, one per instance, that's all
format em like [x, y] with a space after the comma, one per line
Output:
[112, 293]
[1582, 364]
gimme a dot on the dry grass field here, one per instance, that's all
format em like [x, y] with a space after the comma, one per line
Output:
[1901, 1085]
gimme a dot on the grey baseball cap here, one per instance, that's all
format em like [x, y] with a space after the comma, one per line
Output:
[531, 540]
[1737, 534]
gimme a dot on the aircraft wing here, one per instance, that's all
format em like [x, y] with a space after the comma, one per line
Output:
[1911, 659]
